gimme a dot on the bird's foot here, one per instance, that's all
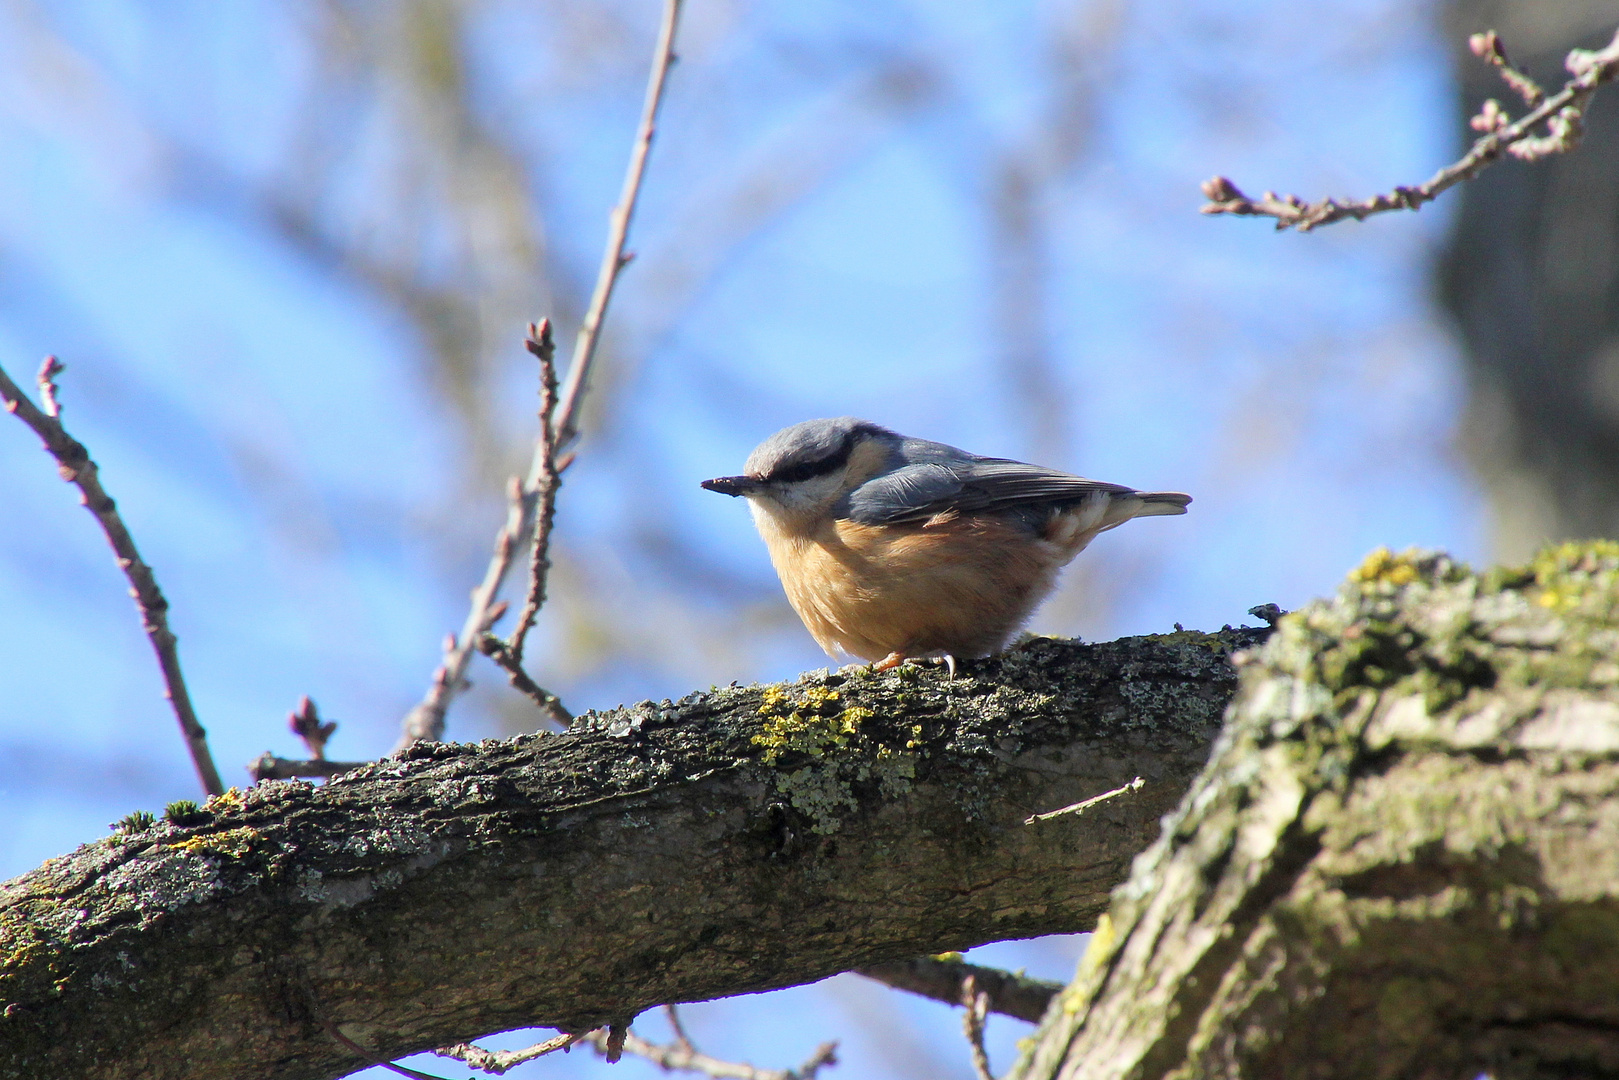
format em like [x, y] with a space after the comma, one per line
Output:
[949, 663]
[889, 662]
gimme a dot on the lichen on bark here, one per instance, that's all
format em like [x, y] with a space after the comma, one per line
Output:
[733, 841]
[1403, 857]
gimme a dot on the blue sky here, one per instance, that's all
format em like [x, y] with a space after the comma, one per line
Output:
[307, 493]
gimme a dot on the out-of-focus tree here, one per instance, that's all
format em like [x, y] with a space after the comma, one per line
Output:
[1531, 274]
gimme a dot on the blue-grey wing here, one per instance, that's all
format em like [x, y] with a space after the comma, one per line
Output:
[918, 492]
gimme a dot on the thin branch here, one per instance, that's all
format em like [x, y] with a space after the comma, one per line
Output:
[618, 226]
[499, 1062]
[498, 651]
[74, 464]
[426, 720]
[544, 487]
[676, 1058]
[972, 1025]
[942, 978]
[306, 723]
[354, 1047]
[682, 1039]
[538, 509]
[1563, 115]
[1085, 804]
[1489, 48]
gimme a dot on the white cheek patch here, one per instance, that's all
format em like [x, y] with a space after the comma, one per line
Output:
[807, 495]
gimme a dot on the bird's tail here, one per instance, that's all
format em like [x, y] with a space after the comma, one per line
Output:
[1154, 503]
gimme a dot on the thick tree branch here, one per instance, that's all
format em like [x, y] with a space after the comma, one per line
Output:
[740, 840]
[1403, 858]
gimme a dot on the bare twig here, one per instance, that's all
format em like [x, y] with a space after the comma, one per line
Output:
[538, 508]
[682, 1039]
[942, 977]
[74, 464]
[615, 259]
[270, 767]
[1085, 804]
[548, 477]
[426, 720]
[972, 1025]
[306, 723]
[498, 651]
[499, 1062]
[1489, 48]
[676, 1058]
[1562, 114]
[350, 1044]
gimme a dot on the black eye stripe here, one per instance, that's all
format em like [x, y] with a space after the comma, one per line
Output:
[808, 470]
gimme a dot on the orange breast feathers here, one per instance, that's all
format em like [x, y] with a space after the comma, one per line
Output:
[957, 585]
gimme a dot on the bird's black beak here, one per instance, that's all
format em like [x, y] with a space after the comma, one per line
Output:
[733, 485]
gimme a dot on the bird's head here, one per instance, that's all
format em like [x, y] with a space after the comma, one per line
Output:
[801, 473]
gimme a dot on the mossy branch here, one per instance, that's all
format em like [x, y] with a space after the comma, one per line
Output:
[740, 840]
[1401, 859]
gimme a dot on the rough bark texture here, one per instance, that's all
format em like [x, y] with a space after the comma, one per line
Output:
[1531, 275]
[736, 841]
[1403, 858]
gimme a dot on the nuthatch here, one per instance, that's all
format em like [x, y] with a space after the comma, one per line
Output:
[891, 547]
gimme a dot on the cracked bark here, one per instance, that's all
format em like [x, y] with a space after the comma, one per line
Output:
[1403, 857]
[736, 841]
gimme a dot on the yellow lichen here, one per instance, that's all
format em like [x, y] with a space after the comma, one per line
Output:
[772, 699]
[808, 732]
[1097, 952]
[226, 802]
[1383, 567]
[1212, 642]
[1565, 573]
[232, 843]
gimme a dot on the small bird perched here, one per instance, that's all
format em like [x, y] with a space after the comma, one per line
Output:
[891, 547]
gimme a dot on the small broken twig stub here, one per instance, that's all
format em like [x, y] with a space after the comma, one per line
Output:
[500, 1062]
[1085, 804]
[74, 463]
[1562, 115]
[269, 767]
